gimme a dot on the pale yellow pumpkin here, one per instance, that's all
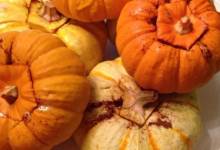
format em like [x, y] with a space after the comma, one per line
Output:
[18, 2]
[121, 116]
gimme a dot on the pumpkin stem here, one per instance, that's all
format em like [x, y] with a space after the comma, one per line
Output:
[184, 25]
[49, 12]
[10, 93]
[134, 100]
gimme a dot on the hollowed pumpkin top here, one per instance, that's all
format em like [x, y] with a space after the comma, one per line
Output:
[43, 91]
[170, 46]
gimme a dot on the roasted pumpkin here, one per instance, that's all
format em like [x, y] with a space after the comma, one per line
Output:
[169, 46]
[122, 116]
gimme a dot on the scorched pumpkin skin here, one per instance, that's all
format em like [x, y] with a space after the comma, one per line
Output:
[169, 46]
[43, 91]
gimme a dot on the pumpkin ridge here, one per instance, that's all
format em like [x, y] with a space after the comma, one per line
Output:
[31, 52]
[183, 137]
[30, 47]
[152, 141]
[35, 136]
[139, 63]
[131, 39]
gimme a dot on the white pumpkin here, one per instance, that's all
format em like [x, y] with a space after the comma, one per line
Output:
[121, 116]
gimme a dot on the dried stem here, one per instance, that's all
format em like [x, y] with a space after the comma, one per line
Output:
[49, 12]
[184, 25]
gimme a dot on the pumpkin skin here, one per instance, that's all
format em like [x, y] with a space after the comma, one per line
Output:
[18, 2]
[161, 51]
[52, 91]
[87, 40]
[90, 10]
[13, 17]
[170, 123]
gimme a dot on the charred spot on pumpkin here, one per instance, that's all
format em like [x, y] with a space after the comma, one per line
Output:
[206, 53]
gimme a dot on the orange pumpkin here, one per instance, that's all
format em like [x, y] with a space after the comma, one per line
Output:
[170, 47]
[90, 10]
[43, 91]
[88, 40]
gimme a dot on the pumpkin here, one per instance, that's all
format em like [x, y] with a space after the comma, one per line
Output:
[43, 91]
[87, 40]
[13, 17]
[18, 2]
[122, 116]
[169, 47]
[90, 10]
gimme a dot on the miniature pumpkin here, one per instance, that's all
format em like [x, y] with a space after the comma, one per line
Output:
[90, 10]
[87, 40]
[13, 17]
[171, 47]
[43, 91]
[122, 116]
[18, 2]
